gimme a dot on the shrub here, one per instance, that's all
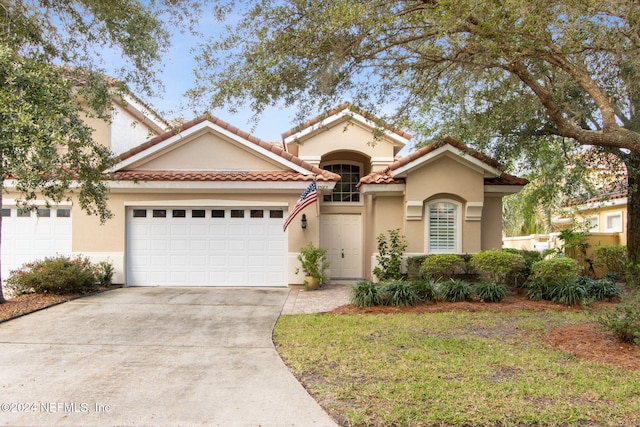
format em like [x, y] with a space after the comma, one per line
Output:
[365, 294]
[390, 256]
[612, 258]
[599, 290]
[538, 290]
[491, 291]
[568, 293]
[623, 321]
[529, 257]
[56, 275]
[400, 293]
[455, 290]
[414, 263]
[497, 265]
[441, 266]
[555, 270]
[427, 290]
[104, 273]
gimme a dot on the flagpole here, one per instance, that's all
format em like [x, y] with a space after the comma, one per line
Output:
[318, 203]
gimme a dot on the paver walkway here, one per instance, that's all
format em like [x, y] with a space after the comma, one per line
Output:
[325, 299]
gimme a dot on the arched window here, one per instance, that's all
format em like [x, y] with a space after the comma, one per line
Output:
[443, 227]
[345, 190]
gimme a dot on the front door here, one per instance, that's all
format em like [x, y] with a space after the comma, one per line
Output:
[342, 236]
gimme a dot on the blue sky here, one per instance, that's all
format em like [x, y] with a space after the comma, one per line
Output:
[177, 76]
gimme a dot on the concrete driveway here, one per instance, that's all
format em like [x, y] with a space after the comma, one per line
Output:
[152, 356]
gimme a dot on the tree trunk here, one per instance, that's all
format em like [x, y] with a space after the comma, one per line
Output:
[633, 207]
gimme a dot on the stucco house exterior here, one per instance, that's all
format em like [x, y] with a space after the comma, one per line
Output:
[204, 204]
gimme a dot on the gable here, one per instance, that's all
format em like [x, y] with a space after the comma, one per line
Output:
[445, 175]
[208, 150]
[351, 136]
[345, 128]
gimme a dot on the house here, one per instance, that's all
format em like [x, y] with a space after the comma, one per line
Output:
[204, 204]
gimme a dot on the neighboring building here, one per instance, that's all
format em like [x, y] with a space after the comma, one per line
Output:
[204, 204]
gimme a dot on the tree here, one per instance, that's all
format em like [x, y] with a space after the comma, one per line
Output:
[502, 74]
[50, 55]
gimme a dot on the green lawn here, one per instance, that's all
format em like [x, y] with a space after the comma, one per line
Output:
[453, 369]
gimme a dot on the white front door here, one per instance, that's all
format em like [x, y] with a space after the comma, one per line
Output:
[342, 236]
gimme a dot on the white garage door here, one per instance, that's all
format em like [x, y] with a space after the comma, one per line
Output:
[31, 235]
[206, 247]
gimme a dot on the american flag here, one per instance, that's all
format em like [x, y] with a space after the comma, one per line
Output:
[307, 197]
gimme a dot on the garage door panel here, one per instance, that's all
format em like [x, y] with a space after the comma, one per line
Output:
[206, 251]
[155, 244]
[26, 239]
[177, 244]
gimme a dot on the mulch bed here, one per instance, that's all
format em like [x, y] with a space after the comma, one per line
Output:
[587, 341]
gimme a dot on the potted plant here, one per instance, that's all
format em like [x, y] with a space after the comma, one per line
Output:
[313, 262]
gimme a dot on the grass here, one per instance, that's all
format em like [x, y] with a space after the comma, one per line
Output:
[453, 369]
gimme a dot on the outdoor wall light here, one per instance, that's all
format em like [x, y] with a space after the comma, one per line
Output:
[303, 222]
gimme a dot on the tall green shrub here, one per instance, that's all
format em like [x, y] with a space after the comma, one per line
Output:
[390, 255]
[611, 258]
[555, 270]
[497, 265]
[441, 266]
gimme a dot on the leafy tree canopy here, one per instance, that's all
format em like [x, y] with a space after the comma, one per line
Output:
[50, 80]
[510, 76]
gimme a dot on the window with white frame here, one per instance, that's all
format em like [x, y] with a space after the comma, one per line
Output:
[592, 223]
[443, 227]
[613, 222]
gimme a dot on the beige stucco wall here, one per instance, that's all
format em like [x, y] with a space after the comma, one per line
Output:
[491, 223]
[207, 151]
[344, 136]
[449, 179]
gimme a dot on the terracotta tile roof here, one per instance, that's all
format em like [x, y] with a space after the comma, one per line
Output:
[211, 176]
[336, 110]
[385, 176]
[602, 198]
[273, 148]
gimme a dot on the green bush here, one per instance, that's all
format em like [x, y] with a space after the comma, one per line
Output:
[555, 270]
[568, 293]
[611, 258]
[441, 266]
[104, 273]
[529, 257]
[57, 275]
[623, 321]
[390, 256]
[399, 293]
[491, 291]
[365, 294]
[599, 290]
[427, 290]
[538, 290]
[414, 264]
[497, 265]
[455, 290]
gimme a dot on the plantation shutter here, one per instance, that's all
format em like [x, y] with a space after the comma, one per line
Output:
[442, 227]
